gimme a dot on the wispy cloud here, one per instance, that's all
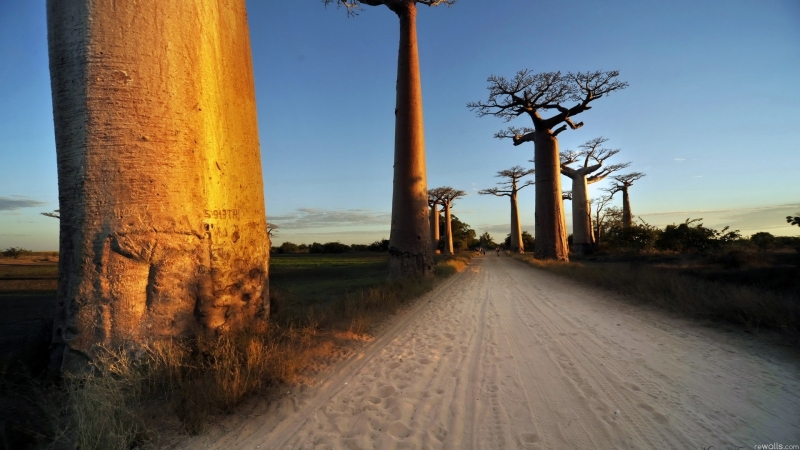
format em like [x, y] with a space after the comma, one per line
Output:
[15, 202]
[680, 159]
[303, 218]
[749, 220]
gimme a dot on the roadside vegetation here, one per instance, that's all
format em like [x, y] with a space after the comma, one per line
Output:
[719, 275]
[125, 401]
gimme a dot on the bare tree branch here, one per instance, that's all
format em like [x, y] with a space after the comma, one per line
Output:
[446, 194]
[354, 6]
[529, 93]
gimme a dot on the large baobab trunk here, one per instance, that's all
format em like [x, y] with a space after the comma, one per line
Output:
[448, 230]
[409, 241]
[582, 235]
[516, 231]
[550, 227]
[163, 231]
[627, 217]
[434, 223]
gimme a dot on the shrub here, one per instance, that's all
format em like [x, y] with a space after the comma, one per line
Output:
[379, 246]
[335, 247]
[692, 236]
[637, 237]
[763, 240]
[288, 247]
[15, 252]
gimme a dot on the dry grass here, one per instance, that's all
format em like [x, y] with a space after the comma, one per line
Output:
[133, 401]
[746, 306]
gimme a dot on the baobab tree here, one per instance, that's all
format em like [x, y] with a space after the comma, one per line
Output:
[447, 195]
[162, 231]
[409, 238]
[592, 156]
[621, 184]
[434, 201]
[534, 94]
[510, 189]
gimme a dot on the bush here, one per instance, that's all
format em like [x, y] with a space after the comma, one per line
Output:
[639, 238]
[15, 252]
[335, 247]
[763, 240]
[379, 246]
[329, 247]
[288, 247]
[692, 236]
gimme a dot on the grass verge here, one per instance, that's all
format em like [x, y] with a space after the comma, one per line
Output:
[746, 306]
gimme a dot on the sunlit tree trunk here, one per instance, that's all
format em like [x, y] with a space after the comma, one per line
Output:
[163, 231]
[448, 230]
[582, 235]
[434, 223]
[550, 226]
[516, 231]
[410, 239]
[627, 216]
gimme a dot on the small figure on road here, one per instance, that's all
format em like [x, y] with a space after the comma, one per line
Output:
[498, 251]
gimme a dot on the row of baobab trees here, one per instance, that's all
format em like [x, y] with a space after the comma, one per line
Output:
[163, 228]
[590, 169]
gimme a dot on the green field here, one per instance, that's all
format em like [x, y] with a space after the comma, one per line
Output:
[306, 287]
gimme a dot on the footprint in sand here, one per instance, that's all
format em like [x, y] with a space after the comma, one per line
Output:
[398, 430]
[528, 438]
[386, 391]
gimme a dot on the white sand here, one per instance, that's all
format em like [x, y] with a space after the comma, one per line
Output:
[504, 356]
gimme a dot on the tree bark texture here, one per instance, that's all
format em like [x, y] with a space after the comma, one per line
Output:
[448, 230]
[517, 245]
[163, 230]
[410, 239]
[434, 223]
[627, 217]
[550, 226]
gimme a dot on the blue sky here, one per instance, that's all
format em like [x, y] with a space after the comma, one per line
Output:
[710, 115]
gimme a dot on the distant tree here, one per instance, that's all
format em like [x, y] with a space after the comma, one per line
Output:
[288, 247]
[335, 247]
[410, 249]
[434, 201]
[532, 94]
[692, 236]
[272, 229]
[622, 184]
[379, 246]
[527, 240]
[793, 220]
[464, 236]
[447, 196]
[486, 241]
[600, 214]
[510, 189]
[56, 214]
[591, 170]
[14, 252]
[763, 240]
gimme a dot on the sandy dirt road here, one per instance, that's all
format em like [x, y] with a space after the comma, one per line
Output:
[504, 356]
